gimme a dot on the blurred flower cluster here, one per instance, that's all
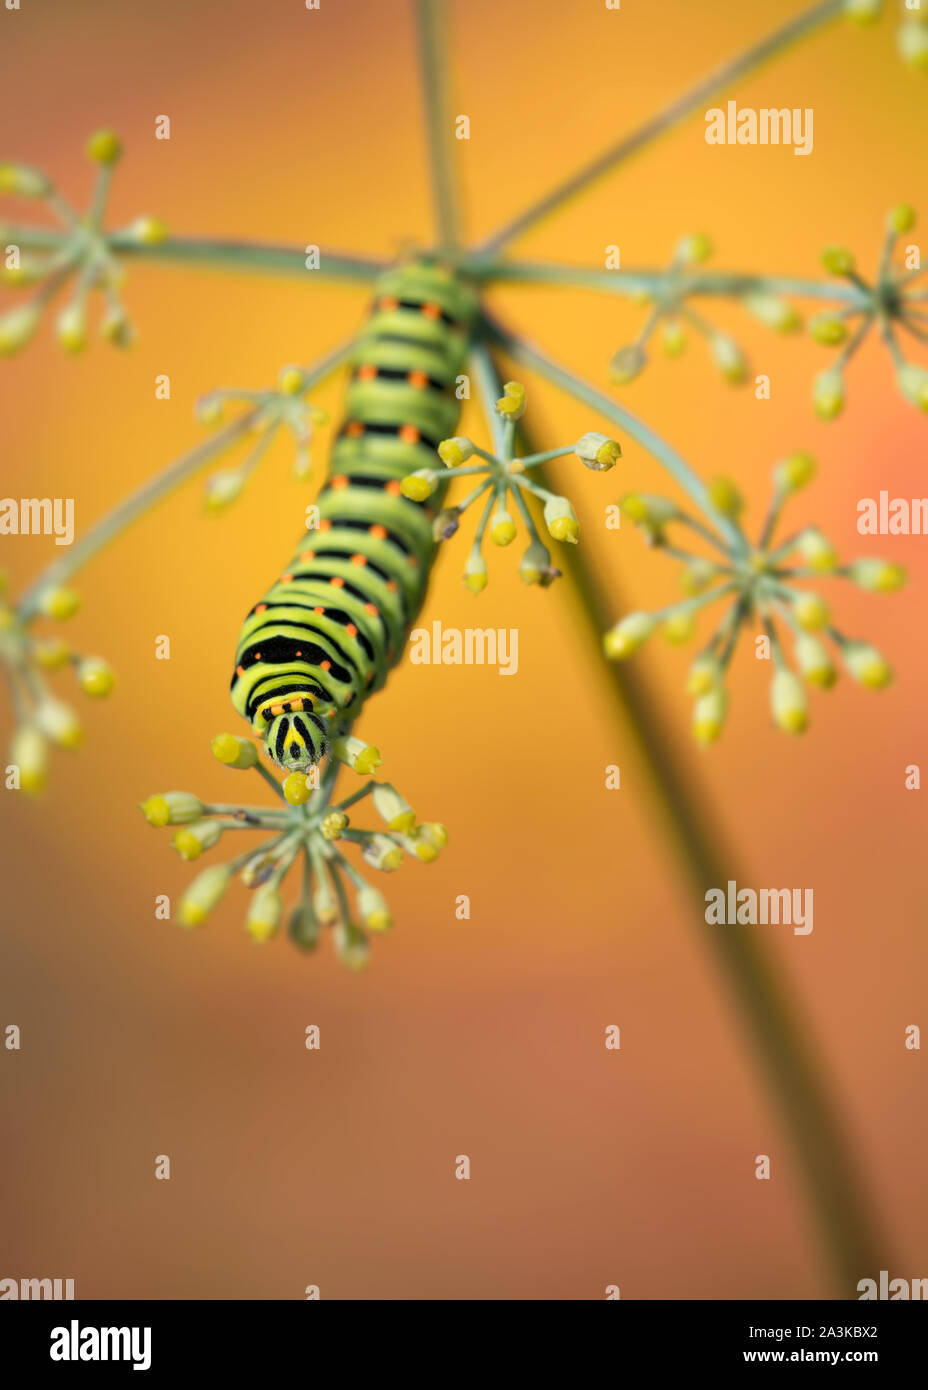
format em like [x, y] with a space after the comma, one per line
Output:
[506, 478]
[671, 312]
[765, 582]
[265, 413]
[41, 719]
[306, 828]
[77, 255]
[891, 303]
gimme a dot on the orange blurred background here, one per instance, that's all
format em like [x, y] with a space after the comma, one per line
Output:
[336, 1167]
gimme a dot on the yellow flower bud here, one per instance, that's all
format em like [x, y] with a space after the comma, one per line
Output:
[678, 628]
[58, 602]
[901, 218]
[597, 451]
[705, 675]
[628, 363]
[419, 485]
[29, 752]
[332, 825]
[811, 612]
[171, 808]
[814, 662]
[725, 497]
[191, 840]
[96, 677]
[71, 328]
[222, 489]
[794, 472]
[475, 572]
[51, 653]
[351, 945]
[776, 313]
[58, 722]
[788, 703]
[264, 913]
[455, 451]
[878, 576]
[709, 714]
[673, 338]
[828, 329]
[837, 260]
[17, 327]
[23, 181]
[729, 359]
[866, 665]
[628, 635]
[561, 520]
[382, 853]
[817, 551]
[296, 789]
[912, 39]
[234, 751]
[291, 381]
[502, 527]
[374, 910]
[149, 231]
[104, 147]
[511, 404]
[694, 249]
[913, 383]
[393, 808]
[203, 895]
[361, 757]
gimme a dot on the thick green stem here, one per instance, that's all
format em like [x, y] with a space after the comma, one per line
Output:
[769, 1016]
[670, 116]
[433, 70]
[654, 282]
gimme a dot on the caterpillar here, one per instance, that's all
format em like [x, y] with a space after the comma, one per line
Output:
[329, 629]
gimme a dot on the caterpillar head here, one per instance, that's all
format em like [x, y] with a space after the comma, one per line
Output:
[297, 741]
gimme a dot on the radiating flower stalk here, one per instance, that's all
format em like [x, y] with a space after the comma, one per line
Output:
[306, 829]
[283, 408]
[508, 491]
[42, 719]
[891, 302]
[765, 582]
[80, 257]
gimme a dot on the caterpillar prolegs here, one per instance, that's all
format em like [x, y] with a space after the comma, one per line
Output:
[327, 632]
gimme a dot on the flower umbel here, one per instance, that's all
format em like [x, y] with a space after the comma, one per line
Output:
[672, 313]
[25, 658]
[891, 303]
[308, 828]
[765, 581]
[80, 256]
[284, 406]
[505, 478]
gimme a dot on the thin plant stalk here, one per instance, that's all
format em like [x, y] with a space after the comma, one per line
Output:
[769, 1016]
[671, 115]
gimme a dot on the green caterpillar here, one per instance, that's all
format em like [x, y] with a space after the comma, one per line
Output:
[327, 632]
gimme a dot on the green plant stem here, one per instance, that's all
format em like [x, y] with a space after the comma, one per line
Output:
[653, 282]
[665, 120]
[208, 253]
[521, 351]
[433, 76]
[768, 1015]
[114, 522]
